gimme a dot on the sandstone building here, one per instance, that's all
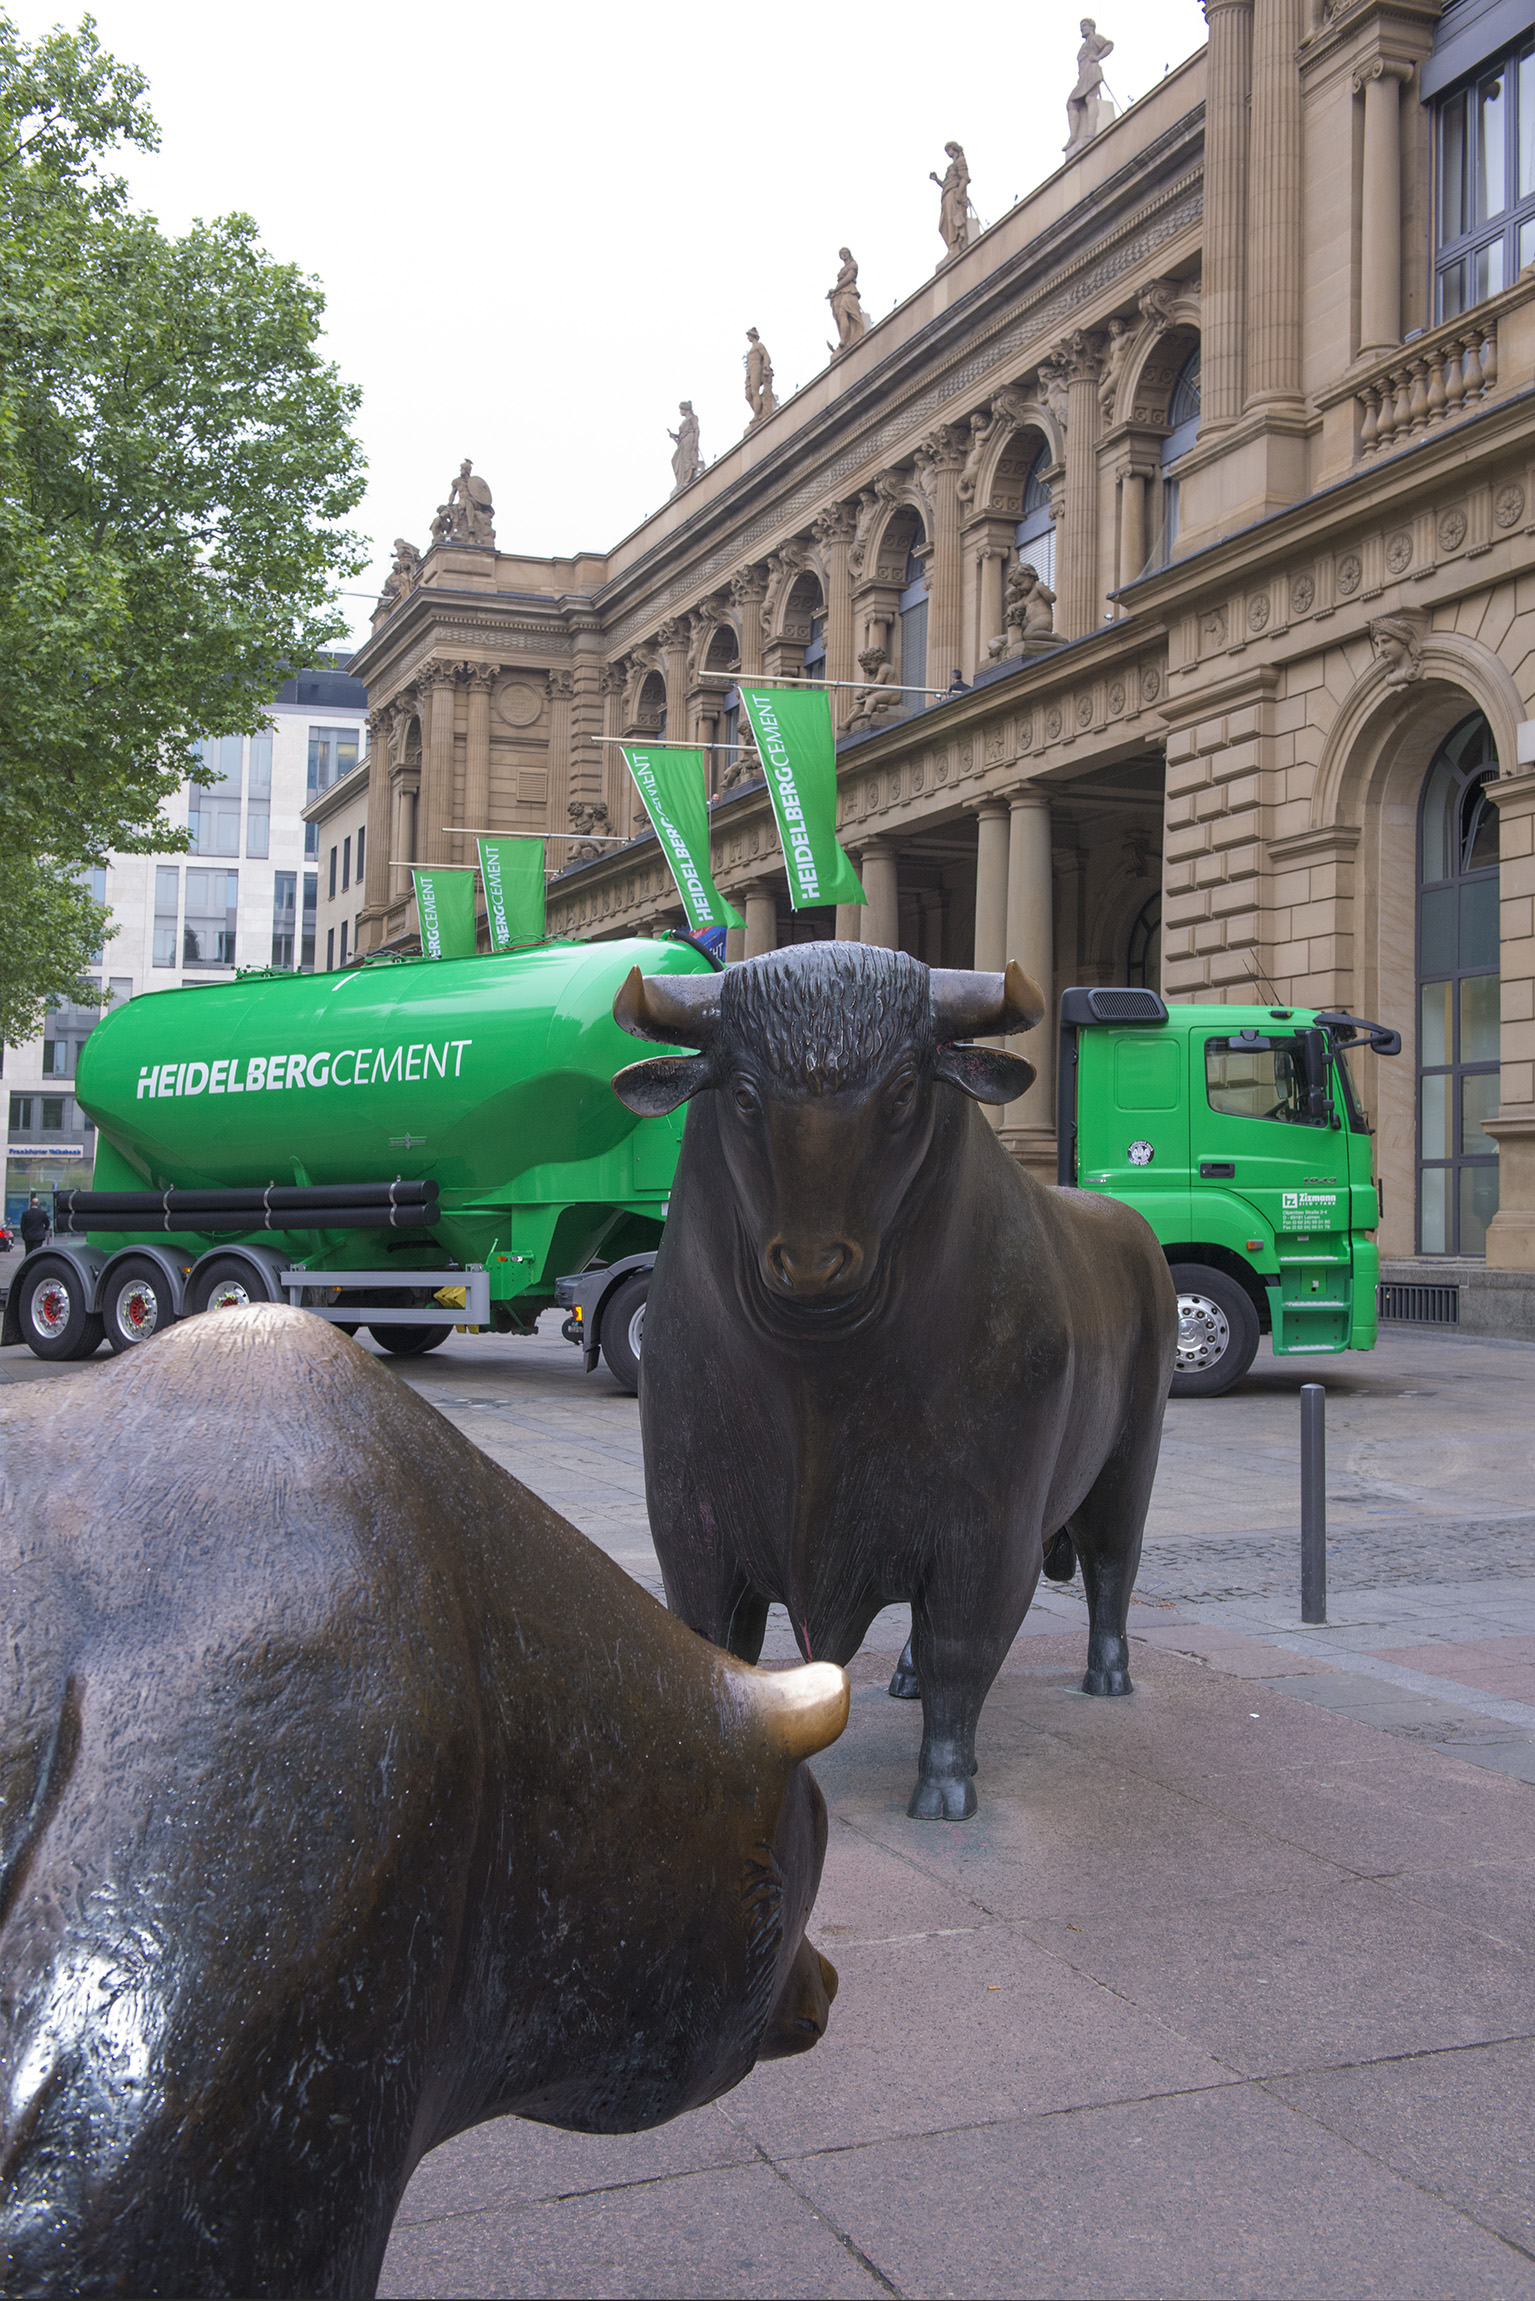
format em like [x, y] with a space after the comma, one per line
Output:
[1250, 383]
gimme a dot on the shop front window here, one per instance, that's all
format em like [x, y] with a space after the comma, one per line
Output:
[1458, 995]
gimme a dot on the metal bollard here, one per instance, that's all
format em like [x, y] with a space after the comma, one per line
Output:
[1313, 1503]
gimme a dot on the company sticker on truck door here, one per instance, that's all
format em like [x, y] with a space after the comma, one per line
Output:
[1308, 1210]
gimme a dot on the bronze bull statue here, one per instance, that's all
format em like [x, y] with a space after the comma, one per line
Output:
[350, 1797]
[882, 1363]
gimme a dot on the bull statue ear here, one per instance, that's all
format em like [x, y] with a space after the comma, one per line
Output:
[675, 1010]
[982, 1006]
[655, 1087]
[984, 1072]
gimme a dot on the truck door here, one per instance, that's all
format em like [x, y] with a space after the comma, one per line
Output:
[1264, 1129]
[1133, 1118]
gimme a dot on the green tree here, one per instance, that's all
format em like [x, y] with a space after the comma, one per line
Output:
[175, 460]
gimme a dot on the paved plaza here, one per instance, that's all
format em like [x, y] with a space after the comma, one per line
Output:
[1227, 1990]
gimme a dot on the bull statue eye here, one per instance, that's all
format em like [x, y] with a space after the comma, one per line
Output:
[746, 1097]
[903, 1093]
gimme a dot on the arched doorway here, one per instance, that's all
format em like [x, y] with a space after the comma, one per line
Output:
[1143, 965]
[1458, 993]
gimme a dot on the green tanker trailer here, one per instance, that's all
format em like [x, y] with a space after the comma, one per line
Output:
[408, 1147]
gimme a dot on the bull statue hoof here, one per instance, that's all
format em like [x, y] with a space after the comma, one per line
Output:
[905, 1685]
[943, 1798]
[1108, 1666]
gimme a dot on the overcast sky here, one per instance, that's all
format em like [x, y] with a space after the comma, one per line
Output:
[537, 229]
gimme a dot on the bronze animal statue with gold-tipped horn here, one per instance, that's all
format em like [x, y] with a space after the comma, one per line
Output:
[349, 1797]
[882, 1363]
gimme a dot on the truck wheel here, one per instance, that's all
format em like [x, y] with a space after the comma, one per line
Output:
[54, 1320]
[1217, 1331]
[137, 1303]
[623, 1324]
[409, 1341]
[227, 1284]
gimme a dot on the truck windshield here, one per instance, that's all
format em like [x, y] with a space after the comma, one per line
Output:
[1258, 1076]
[1358, 1122]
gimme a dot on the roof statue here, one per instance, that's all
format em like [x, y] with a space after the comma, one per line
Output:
[846, 309]
[687, 463]
[954, 203]
[759, 379]
[1089, 107]
[471, 508]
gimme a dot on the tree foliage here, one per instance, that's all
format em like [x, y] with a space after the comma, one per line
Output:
[175, 460]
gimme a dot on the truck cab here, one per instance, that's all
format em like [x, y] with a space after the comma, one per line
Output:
[1237, 1132]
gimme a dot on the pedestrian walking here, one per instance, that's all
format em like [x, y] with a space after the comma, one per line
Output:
[35, 1226]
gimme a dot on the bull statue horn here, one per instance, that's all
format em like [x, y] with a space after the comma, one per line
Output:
[806, 1709]
[982, 1006]
[676, 1010]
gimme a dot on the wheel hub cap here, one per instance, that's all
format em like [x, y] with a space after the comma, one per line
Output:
[138, 1310]
[50, 1310]
[1204, 1333]
[229, 1295]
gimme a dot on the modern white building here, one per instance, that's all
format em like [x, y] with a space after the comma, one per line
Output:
[245, 895]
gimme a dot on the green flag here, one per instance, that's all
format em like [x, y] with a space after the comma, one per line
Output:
[445, 907]
[671, 783]
[799, 753]
[513, 872]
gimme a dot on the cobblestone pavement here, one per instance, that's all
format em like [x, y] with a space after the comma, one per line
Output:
[1227, 1990]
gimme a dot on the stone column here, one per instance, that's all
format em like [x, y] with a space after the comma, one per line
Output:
[882, 916]
[1228, 86]
[562, 701]
[761, 909]
[1028, 1125]
[673, 639]
[850, 922]
[479, 679]
[992, 559]
[401, 843]
[1380, 226]
[1132, 525]
[748, 590]
[437, 700]
[1080, 606]
[941, 458]
[991, 953]
[582, 773]
[376, 868]
[834, 533]
[1274, 235]
[1511, 1233]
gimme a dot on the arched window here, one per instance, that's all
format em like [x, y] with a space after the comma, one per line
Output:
[911, 620]
[1183, 418]
[1035, 532]
[1458, 985]
[815, 648]
[1144, 965]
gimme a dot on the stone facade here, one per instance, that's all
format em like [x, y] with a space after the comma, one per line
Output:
[1289, 528]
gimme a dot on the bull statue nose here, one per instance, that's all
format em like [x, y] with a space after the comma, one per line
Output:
[813, 1266]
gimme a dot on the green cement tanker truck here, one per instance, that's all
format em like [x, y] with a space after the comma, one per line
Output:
[407, 1146]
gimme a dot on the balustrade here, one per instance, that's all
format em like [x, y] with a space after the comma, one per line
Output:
[1428, 383]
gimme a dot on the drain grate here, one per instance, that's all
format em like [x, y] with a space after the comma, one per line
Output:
[1419, 1305]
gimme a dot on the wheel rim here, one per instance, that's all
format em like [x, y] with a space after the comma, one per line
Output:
[636, 1329]
[1204, 1333]
[137, 1310]
[229, 1294]
[50, 1309]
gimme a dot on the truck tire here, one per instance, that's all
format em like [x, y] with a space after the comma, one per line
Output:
[1217, 1331]
[224, 1284]
[136, 1303]
[409, 1341]
[623, 1323]
[51, 1307]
